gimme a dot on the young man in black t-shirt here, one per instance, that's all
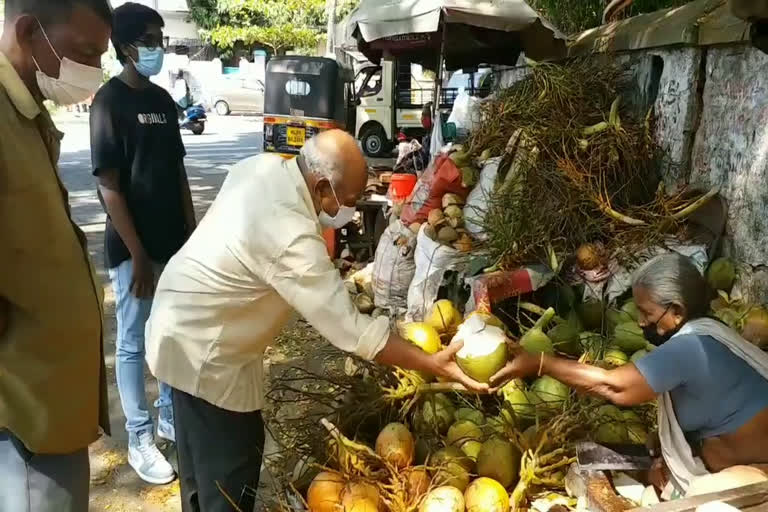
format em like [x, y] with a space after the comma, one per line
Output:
[138, 156]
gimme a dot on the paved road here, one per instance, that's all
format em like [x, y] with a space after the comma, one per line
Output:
[227, 140]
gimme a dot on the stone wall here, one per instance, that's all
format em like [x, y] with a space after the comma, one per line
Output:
[711, 118]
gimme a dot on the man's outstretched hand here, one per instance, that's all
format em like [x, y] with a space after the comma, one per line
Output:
[445, 366]
[521, 364]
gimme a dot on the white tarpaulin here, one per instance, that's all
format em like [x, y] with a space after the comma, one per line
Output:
[378, 19]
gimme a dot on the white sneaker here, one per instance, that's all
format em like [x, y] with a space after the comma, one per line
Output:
[165, 426]
[147, 461]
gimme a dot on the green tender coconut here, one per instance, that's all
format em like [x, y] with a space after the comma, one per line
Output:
[721, 274]
[611, 428]
[615, 357]
[550, 394]
[535, 341]
[500, 460]
[453, 467]
[629, 337]
[463, 431]
[517, 397]
[630, 308]
[636, 431]
[437, 413]
[565, 336]
[473, 415]
[591, 313]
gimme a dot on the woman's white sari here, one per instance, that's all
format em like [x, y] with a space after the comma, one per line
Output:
[677, 453]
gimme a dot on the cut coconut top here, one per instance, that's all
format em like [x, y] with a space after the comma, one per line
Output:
[480, 339]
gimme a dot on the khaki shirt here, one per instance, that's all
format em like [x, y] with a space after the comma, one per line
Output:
[52, 377]
[257, 256]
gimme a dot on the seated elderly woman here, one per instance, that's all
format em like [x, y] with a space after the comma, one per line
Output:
[712, 385]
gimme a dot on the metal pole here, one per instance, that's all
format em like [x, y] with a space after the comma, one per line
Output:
[439, 78]
[330, 47]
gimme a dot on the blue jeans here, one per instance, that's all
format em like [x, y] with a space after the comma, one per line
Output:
[132, 313]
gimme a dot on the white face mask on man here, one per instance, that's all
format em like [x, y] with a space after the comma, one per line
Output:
[77, 82]
[344, 216]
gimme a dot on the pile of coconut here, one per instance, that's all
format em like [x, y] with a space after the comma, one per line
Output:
[446, 225]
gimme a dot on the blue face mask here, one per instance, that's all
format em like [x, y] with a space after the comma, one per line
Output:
[150, 60]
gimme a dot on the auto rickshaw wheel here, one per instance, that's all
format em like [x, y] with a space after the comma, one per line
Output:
[373, 140]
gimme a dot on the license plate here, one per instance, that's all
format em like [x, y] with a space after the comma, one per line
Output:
[296, 136]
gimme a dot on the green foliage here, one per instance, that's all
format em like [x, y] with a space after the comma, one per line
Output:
[277, 24]
[573, 16]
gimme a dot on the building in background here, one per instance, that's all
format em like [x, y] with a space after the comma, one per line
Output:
[181, 34]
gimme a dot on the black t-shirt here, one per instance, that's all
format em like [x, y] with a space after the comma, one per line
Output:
[136, 131]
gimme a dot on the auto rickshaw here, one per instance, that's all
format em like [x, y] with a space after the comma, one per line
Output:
[304, 96]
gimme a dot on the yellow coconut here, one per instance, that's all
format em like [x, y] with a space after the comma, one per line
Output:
[488, 318]
[486, 495]
[443, 499]
[324, 494]
[423, 336]
[417, 483]
[395, 444]
[756, 327]
[443, 316]
[360, 497]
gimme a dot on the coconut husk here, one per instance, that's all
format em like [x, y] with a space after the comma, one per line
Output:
[578, 167]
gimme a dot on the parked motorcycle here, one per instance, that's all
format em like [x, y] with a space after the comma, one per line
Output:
[194, 119]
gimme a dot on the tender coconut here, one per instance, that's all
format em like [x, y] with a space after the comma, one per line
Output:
[485, 349]
[486, 495]
[443, 499]
[324, 494]
[444, 316]
[500, 460]
[395, 445]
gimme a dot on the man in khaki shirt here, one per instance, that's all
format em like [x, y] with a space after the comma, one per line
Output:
[52, 378]
[256, 257]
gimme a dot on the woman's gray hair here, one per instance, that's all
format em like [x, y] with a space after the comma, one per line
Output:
[321, 165]
[673, 279]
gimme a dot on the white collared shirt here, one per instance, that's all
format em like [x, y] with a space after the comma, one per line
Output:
[257, 256]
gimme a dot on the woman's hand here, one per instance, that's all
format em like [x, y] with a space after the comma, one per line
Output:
[520, 365]
[444, 365]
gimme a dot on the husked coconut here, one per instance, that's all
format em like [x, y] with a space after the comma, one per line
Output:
[436, 218]
[452, 200]
[446, 235]
[415, 227]
[364, 304]
[431, 232]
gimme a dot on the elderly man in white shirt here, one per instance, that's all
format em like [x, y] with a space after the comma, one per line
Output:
[257, 256]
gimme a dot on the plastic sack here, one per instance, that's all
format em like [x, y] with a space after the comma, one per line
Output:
[478, 200]
[432, 260]
[393, 267]
[442, 177]
[436, 142]
[464, 110]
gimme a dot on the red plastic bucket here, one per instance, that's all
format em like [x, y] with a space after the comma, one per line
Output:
[401, 186]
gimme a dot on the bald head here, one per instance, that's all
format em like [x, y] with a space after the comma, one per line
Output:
[334, 169]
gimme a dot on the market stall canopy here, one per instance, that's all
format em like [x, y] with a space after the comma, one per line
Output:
[484, 31]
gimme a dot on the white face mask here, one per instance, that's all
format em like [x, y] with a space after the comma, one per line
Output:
[77, 82]
[344, 216]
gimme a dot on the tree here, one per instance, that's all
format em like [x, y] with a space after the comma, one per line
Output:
[280, 25]
[573, 16]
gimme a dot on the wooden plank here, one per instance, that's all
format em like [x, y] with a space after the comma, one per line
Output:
[750, 497]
